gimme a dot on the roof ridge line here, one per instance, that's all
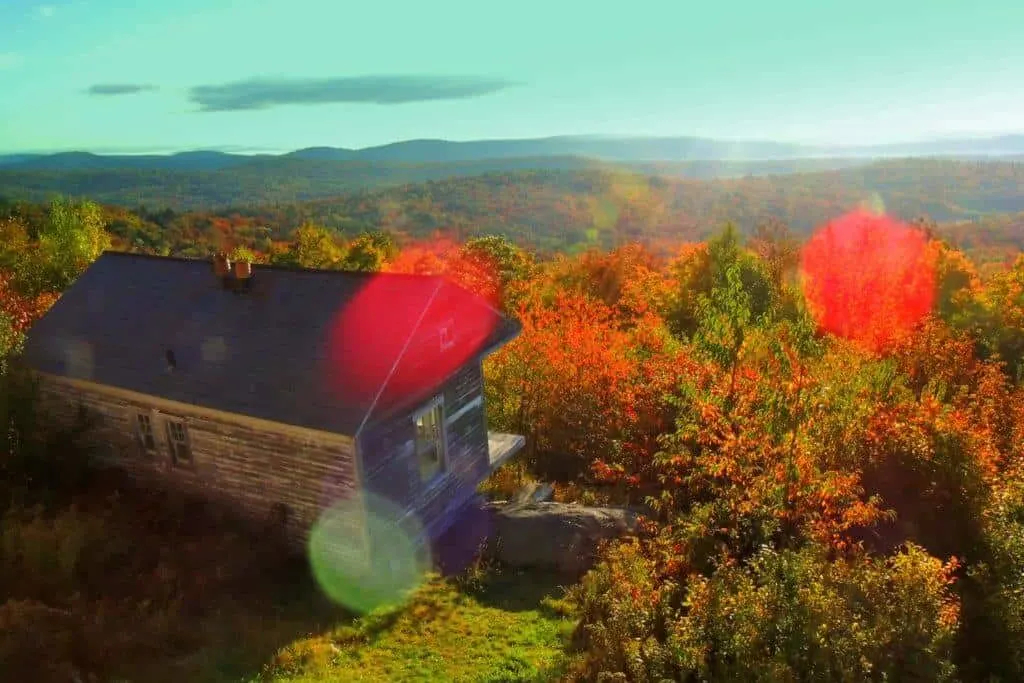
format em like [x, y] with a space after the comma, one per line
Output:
[398, 359]
[271, 266]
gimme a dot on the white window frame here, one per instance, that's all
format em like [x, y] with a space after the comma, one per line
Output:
[437, 403]
[177, 441]
[144, 427]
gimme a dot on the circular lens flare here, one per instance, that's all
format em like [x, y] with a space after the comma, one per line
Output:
[868, 278]
[403, 336]
[362, 558]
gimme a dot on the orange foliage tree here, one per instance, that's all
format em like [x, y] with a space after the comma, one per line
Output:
[582, 388]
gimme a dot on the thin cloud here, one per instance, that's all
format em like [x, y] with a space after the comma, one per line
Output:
[119, 88]
[403, 89]
[46, 11]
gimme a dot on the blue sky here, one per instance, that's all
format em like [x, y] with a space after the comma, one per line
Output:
[275, 75]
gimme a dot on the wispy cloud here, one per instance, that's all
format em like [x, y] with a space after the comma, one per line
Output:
[400, 89]
[119, 88]
[9, 60]
[45, 11]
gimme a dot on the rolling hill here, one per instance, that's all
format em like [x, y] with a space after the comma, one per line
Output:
[611, 206]
[558, 209]
[275, 179]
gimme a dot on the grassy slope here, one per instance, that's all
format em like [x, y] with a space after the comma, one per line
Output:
[125, 584]
[501, 631]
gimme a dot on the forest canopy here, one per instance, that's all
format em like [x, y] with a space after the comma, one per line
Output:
[824, 501]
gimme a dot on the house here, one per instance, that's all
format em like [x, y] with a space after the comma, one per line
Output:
[280, 391]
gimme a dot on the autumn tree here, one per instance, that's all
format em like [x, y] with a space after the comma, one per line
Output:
[700, 270]
[494, 256]
[366, 253]
[72, 236]
[778, 249]
[312, 247]
[999, 321]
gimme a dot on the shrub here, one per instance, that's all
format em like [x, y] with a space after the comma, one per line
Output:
[784, 616]
[51, 556]
[991, 641]
[42, 643]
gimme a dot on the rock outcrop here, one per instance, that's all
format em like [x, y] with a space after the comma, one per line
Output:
[559, 536]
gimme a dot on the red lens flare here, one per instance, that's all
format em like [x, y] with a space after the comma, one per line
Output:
[869, 278]
[405, 335]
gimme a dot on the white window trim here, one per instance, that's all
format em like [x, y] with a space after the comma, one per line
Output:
[151, 420]
[177, 462]
[475, 403]
[442, 473]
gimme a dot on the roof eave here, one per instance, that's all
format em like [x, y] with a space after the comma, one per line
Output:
[514, 332]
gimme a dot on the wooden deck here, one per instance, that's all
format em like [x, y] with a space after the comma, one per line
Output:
[502, 447]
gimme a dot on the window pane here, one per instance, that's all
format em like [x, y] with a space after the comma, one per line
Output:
[430, 442]
[178, 441]
[145, 428]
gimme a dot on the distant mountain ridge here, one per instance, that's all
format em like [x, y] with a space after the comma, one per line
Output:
[604, 148]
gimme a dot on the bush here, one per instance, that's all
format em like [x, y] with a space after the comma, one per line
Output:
[41, 643]
[784, 616]
[992, 638]
[51, 556]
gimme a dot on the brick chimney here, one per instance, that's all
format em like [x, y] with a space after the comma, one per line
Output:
[243, 270]
[234, 275]
[222, 268]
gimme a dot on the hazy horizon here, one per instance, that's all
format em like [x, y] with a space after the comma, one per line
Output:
[107, 76]
[255, 151]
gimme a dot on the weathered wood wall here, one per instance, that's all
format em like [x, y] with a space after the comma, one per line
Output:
[245, 464]
[389, 460]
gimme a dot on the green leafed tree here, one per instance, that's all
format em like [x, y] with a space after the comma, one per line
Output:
[366, 254]
[72, 237]
[311, 247]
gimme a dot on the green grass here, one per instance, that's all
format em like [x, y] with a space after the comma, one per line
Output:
[508, 628]
[131, 587]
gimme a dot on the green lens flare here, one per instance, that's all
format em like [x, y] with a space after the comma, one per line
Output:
[362, 558]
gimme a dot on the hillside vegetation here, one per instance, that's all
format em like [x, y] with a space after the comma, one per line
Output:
[604, 209]
[830, 441]
[557, 210]
[171, 182]
[943, 189]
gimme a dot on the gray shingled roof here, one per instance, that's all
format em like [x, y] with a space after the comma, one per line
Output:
[269, 352]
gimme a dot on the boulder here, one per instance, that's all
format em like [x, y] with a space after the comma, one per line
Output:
[558, 536]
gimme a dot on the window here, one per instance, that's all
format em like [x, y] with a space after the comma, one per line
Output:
[430, 441]
[177, 440]
[144, 427]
